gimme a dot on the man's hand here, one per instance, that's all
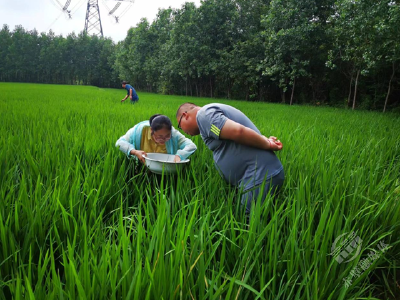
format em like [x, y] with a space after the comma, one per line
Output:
[177, 158]
[130, 97]
[275, 144]
[139, 154]
[243, 135]
[123, 100]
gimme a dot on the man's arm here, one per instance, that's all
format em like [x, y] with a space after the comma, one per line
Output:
[130, 94]
[243, 135]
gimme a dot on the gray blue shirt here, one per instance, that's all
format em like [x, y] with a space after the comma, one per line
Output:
[128, 87]
[240, 165]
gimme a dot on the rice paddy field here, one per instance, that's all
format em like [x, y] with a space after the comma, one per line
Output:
[77, 221]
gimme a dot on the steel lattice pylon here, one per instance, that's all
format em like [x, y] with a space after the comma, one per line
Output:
[93, 21]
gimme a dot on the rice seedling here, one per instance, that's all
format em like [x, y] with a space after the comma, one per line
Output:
[77, 222]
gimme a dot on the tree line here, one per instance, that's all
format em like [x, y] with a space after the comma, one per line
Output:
[343, 52]
[27, 56]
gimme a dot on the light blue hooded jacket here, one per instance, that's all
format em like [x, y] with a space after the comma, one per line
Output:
[178, 144]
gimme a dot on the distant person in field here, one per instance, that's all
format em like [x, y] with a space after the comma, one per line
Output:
[244, 157]
[155, 136]
[131, 93]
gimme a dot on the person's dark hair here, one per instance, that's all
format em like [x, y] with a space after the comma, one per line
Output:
[125, 82]
[185, 107]
[158, 122]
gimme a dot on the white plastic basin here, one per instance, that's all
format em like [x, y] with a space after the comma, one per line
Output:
[156, 162]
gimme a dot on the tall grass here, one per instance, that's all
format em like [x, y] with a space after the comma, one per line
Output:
[76, 221]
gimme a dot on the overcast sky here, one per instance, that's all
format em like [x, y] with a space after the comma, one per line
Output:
[47, 14]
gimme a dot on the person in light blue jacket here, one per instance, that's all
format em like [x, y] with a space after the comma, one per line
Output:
[155, 136]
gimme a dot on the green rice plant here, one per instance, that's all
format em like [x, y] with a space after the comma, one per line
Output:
[78, 222]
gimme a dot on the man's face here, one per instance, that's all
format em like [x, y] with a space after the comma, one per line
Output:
[187, 122]
[123, 86]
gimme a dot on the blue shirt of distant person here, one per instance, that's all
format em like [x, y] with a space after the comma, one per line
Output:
[244, 157]
[131, 93]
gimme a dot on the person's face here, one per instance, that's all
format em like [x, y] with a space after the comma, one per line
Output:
[187, 122]
[161, 136]
[123, 86]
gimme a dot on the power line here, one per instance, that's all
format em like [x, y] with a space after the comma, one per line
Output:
[54, 21]
[92, 19]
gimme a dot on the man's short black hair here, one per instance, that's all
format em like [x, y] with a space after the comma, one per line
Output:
[124, 82]
[185, 107]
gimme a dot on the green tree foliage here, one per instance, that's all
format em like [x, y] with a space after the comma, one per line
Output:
[331, 52]
[289, 30]
[243, 62]
[184, 58]
[264, 50]
[388, 42]
[27, 56]
[366, 44]
[5, 38]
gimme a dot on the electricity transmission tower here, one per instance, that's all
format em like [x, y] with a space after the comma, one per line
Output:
[93, 21]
